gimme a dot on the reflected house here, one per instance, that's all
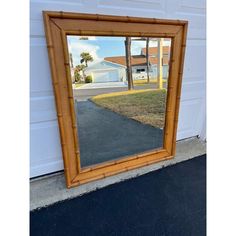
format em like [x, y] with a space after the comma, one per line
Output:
[113, 69]
[106, 71]
[139, 64]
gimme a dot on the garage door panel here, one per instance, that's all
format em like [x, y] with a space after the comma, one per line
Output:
[195, 60]
[42, 109]
[40, 76]
[193, 90]
[190, 117]
[102, 77]
[45, 147]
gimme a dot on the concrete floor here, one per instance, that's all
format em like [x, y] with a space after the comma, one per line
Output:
[103, 85]
[50, 189]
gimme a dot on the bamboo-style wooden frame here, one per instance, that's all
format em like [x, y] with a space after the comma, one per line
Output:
[60, 24]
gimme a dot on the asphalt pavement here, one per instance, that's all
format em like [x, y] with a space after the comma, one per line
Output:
[170, 201]
[85, 94]
[105, 135]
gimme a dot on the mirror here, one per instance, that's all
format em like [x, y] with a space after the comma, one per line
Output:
[117, 86]
[120, 93]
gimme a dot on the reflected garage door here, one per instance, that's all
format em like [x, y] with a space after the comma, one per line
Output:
[106, 76]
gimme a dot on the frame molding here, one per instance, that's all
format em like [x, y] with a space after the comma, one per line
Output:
[60, 24]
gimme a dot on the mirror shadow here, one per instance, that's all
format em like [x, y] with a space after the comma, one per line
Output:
[120, 90]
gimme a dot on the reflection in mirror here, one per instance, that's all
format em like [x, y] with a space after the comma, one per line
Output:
[120, 89]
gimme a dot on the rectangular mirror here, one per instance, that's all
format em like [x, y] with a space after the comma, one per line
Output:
[117, 86]
[119, 89]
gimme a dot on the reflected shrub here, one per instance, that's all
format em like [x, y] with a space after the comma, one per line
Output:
[88, 79]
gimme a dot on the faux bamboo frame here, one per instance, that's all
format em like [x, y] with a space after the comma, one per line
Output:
[60, 24]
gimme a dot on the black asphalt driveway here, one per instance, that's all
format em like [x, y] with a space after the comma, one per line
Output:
[105, 135]
[166, 202]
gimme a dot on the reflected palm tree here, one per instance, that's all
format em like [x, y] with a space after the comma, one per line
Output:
[86, 57]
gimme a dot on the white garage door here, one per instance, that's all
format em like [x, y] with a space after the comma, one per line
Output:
[45, 148]
[108, 76]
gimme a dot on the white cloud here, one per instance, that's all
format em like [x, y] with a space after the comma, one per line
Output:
[136, 46]
[76, 47]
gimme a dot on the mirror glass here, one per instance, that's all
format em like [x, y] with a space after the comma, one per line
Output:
[120, 90]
